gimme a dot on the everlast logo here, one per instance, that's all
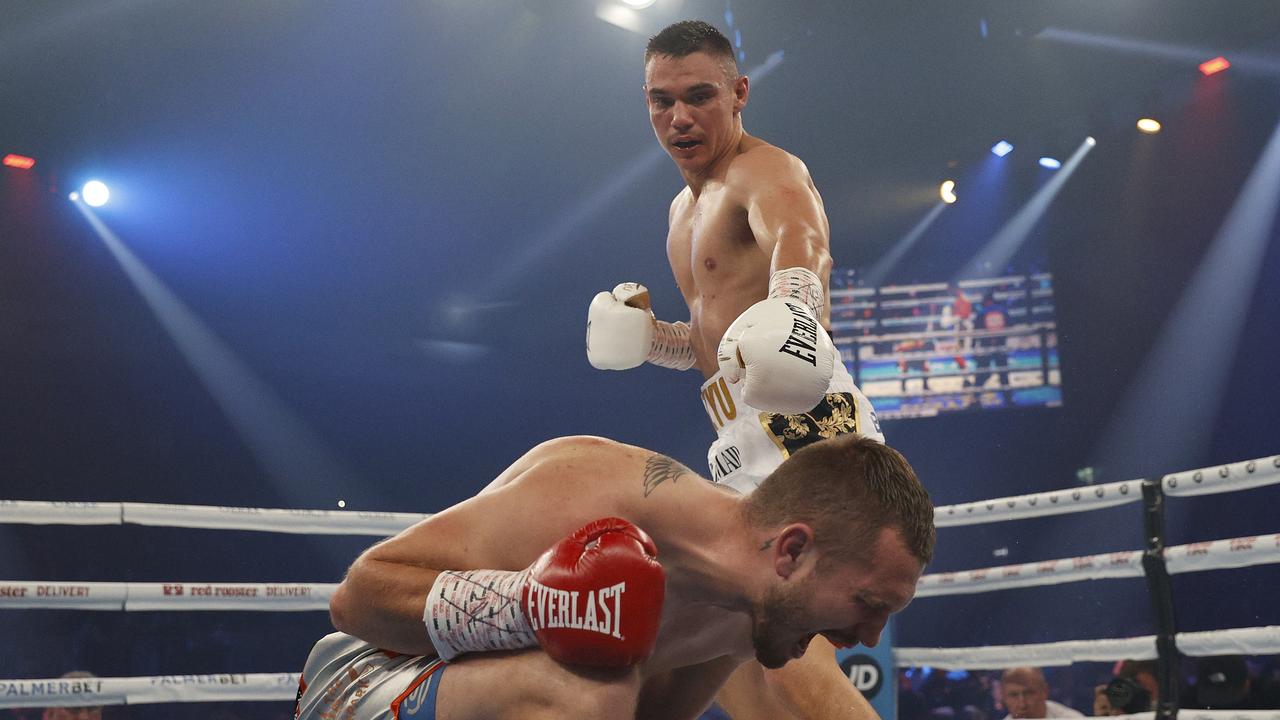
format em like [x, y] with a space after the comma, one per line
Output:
[803, 341]
[552, 608]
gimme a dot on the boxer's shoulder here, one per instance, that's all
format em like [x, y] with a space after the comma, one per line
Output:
[760, 162]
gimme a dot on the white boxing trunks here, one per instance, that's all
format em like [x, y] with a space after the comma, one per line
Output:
[348, 679]
[752, 442]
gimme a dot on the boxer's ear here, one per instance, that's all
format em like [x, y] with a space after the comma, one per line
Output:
[793, 550]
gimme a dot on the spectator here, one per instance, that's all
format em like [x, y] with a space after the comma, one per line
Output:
[1222, 683]
[1134, 688]
[1025, 694]
[74, 713]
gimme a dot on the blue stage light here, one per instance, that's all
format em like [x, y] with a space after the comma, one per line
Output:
[1048, 162]
[1002, 148]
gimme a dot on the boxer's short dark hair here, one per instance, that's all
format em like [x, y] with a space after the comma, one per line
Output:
[690, 36]
[847, 488]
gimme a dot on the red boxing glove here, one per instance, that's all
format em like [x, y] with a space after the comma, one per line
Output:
[595, 598]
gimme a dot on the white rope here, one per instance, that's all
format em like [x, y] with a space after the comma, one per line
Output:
[1223, 554]
[993, 657]
[309, 522]
[1184, 714]
[1228, 715]
[1194, 557]
[1058, 502]
[37, 512]
[269, 597]
[79, 692]
[1237, 641]
[1224, 478]
[1048, 572]
[1236, 476]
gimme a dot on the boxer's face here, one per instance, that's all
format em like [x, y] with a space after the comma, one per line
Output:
[694, 103]
[848, 602]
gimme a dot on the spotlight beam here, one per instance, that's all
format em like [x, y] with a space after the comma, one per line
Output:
[1190, 54]
[280, 440]
[876, 275]
[1005, 243]
[1163, 420]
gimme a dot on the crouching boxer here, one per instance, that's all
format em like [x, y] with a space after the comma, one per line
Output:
[537, 599]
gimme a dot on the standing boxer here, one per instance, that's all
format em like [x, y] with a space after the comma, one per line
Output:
[639, 617]
[748, 245]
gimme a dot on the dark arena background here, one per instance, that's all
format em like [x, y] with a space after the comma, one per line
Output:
[348, 250]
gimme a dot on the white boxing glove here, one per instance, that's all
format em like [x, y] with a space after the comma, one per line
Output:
[620, 328]
[782, 355]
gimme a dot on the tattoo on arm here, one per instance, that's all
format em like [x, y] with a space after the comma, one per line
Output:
[659, 469]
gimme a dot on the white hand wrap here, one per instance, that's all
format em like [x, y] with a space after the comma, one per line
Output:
[477, 610]
[671, 348]
[801, 284]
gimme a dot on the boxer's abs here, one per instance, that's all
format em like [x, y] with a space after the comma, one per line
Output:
[719, 267]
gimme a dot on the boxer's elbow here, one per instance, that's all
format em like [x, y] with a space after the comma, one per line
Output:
[340, 610]
[350, 605]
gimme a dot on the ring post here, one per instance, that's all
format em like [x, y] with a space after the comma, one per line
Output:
[1160, 590]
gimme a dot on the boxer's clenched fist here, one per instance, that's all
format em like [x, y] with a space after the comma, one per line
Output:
[782, 355]
[620, 328]
[594, 598]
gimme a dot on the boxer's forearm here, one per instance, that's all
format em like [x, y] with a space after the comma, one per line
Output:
[382, 603]
[814, 688]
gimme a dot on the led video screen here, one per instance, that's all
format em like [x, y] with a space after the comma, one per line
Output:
[924, 349]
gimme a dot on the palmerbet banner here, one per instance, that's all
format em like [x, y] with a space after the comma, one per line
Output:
[871, 671]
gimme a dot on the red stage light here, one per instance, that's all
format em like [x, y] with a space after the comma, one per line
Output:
[21, 162]
[1215, 65]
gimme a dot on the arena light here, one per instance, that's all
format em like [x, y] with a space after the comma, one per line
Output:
[947, 191]
[1149, 126]
[638, 4]
[1001, 148]
[95, 193]
[22, 162]
[1006, 242]
[1216, 65]
[1051, 163]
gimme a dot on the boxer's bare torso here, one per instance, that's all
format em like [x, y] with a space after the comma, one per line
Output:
[719, 263]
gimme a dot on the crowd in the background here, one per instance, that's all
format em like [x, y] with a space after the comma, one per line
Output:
[1087, 689]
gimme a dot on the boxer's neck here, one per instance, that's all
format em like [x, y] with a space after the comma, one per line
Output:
[717, 563]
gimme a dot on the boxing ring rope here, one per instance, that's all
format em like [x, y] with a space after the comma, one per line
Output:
[126, 596]
[131, 596]
[1235, 641]
[78, 692]
[1157, 564]
[210, 517]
